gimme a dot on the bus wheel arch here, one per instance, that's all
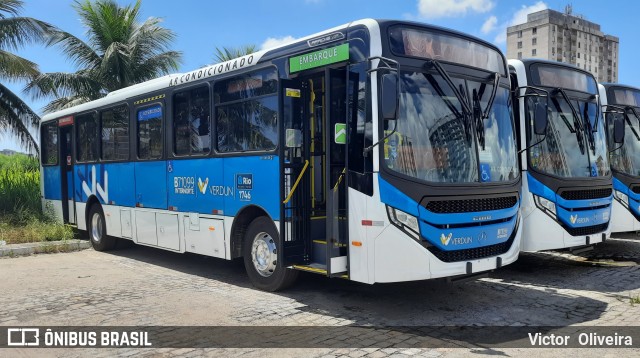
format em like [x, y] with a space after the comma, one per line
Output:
[240, 225]
[97, 226]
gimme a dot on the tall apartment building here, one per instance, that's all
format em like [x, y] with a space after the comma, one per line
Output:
[565, 37]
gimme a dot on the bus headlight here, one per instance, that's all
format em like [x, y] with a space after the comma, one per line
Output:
[404, 221]
[622, 198]
[545, 205]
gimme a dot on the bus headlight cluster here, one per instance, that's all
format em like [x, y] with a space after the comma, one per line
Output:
[406, 222]
[545, 205]
[622, 198]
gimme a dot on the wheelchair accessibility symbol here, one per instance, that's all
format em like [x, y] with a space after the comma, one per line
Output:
[485, 172]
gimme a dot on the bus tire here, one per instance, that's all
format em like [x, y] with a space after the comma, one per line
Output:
[97, 229]
[260, 252]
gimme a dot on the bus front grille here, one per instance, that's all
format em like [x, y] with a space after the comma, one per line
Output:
[471, 205]
[586, 194]
[587, 230]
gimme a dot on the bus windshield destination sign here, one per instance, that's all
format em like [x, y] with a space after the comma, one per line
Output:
[319, 58]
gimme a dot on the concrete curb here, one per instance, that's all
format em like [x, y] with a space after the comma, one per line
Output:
[44, 247]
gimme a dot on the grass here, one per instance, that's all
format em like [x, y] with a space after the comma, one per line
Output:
[634, 300]
[22, 219]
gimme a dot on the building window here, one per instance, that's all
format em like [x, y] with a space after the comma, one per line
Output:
[87, 137]
[519, 44]
[533, 52]
[534, 41]
[49, 145]
[191, 134]
[150, 132]
[115, 133]
[519, 55]
[520, 34]
[553, 51]
[578, 44]
[534, 30]
[247, 112]
[578, 54]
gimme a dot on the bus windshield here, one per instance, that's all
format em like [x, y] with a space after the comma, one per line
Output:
[567, 150]
[436, 142]
[624, 157]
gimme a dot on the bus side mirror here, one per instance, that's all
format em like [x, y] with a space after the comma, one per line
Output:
[540, 117]
[618, 130]
[389, 96]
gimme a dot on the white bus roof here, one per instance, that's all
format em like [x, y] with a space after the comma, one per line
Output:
[166, 81]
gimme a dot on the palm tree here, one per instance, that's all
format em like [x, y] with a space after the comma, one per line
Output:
[120, 51]
[15, 115]
[225, 54]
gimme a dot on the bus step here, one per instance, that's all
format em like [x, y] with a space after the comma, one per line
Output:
[313, 267]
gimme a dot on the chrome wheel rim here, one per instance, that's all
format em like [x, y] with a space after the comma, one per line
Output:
[96, 227]
[264, 254]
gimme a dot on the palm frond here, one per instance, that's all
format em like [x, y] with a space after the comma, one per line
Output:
[17, 118]
[225, 53]
[16, 32]
[62, 84]
[14, 67]
[12, 7]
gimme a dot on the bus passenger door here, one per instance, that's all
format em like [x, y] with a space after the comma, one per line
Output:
[66, 172]
[335, 174]
[294, 182]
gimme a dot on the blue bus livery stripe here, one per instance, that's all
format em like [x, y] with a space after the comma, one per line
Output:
[206, 186]
[456, 238]
[468, 237]
[539, 189]
[52, 183]
[634, 198]
[584, 218]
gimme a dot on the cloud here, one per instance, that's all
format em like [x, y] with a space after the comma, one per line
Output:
[489, 25]
[519, 17]
[276, 41]
[432, 9]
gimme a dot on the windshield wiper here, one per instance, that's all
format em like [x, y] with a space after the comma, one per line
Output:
[579, 130]
[478, 113]
[463, 102]
[589, 132]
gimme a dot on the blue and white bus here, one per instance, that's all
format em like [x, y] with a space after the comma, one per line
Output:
[621, 106]
[563, 154]
[378, 151]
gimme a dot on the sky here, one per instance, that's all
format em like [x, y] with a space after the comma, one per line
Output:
[202, 25]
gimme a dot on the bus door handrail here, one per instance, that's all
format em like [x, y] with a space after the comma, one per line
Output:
[295, 185]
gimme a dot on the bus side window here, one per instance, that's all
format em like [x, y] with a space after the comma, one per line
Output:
[87, 135]
[150, 132]
[360, 130]
[191, 134]
[247, 112]
[115, 133]
[49, 143]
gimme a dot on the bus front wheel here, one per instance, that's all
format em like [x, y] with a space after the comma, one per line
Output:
[98, 230]
[260, 254]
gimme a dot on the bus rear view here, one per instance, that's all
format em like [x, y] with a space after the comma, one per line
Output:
[567, 192]
[621, 106]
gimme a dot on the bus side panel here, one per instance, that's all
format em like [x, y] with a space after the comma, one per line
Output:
[52, 186]
[52, 191]
[110, 183]
[252, 181]
[151, 184]
[196, 185]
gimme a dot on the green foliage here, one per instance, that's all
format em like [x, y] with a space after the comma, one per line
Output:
[20, 188]
[21, 216]
[120, 51]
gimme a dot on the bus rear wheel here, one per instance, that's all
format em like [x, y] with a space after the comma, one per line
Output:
[260, 252]
[97, 229]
